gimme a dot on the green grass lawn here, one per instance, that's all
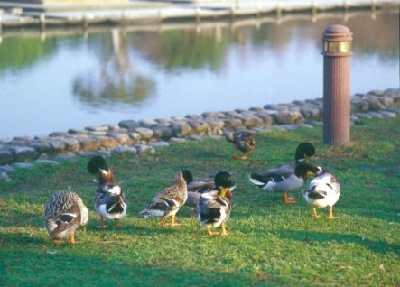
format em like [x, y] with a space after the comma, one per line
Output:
[269, 244]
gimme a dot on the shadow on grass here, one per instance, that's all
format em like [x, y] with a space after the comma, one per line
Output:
[22, 239]
[65, 266]
[321, 237]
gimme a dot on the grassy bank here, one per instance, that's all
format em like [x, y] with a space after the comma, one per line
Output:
[269, 243]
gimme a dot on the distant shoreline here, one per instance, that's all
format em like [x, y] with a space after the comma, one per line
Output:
[49, 16]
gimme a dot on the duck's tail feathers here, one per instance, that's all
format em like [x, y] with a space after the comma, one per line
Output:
[257, 180]
[96, 164]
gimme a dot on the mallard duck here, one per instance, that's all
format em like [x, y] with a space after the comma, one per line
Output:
[214, 206]
[304, 151]
[243, 141]
[284, 179]
[194, 188]
[109, 200]
[323, 191]
[168, 202]
[64, 213]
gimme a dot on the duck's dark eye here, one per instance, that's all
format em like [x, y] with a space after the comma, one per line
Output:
[329, 185]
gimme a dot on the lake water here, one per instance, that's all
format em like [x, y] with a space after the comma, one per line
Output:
[61, 80]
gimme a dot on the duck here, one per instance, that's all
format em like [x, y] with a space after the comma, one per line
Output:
[285, 180]
[304, 151]
[214, 206]
[64, 213]
[109, 200]
[195, 187]
[323, 191]
[243, 142]
[168, 202]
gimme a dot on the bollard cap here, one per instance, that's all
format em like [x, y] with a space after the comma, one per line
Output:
[336, 41]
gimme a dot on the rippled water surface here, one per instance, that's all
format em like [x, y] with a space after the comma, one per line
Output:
[60, 80]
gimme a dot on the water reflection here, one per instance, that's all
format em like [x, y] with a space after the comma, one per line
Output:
[117, 81]
[181, 68]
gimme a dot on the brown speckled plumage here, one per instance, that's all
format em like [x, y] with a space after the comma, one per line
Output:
[64, 212]
[168, 201]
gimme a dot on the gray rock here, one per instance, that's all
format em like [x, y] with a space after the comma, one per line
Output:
[392, 92]
[23, 165]
[130, 125]
[181, 129]
[164, 122]
[57, 145]
[233, 122]
[89, 144]
[159, 144]
[41, 147]
[213, 115]
[4, 177]
[7, 168]
[252, 121]
[386, 101]
[123, 149]
[388, 114]
[71, 144]
[285, 118]
[178, 119]
[266, 118]
[375, 114]
[147, 123]
[23, 138]
[141, 148]
[145, 133]
[97, 128]
[59, 134]
[215, 124]
[6, 156]
[256, 109]
[113, 127]
[107, 142]
[377, 93]
[162, 132]
[199, 127]
[177, 140]
[23, 153]
[375, 104]
[122, 139]
[135, 137]
[77, 131]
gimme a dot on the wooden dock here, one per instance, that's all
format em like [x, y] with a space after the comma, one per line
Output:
[13, 15]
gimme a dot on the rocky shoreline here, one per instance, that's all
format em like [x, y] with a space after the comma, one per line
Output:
[130, 136]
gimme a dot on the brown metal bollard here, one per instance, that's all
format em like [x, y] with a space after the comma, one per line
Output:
[336, 48]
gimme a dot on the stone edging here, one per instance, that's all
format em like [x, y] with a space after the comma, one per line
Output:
[130, 136]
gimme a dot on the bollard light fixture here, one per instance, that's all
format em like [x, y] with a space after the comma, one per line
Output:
[336, 49]
[336, 41]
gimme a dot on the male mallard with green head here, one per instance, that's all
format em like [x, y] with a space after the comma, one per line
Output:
[109, 200]
[284, 176]
[214, 206]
